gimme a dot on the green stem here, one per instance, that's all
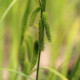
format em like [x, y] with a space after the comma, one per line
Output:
[39, 46]
[39, 52]
[38, 66]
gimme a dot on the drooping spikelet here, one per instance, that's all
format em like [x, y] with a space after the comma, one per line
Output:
[33, 17]
[34, 58]
[46, 25]
[41, 35]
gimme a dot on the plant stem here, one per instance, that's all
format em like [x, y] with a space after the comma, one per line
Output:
[38, 59]
[38, 65]
[39, 50]
[37, 74]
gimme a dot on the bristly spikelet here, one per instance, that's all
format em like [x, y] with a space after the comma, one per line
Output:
[33, 17]
[41, 35]
[34, 58]
[46, 25]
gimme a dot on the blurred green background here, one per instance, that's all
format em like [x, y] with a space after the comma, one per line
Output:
[62, 53]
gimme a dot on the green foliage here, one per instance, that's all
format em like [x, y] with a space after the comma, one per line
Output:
[46, 25]
[33, 16]
[24, 21]
[22, 31]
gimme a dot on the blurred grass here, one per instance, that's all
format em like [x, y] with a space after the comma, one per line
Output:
[64, 19]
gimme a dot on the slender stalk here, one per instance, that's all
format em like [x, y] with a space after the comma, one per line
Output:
[38, 66]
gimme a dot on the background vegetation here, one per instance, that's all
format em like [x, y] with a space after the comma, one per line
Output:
[60, 59]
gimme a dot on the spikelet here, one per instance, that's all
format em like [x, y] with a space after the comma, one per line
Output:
[41, 35]
[33, 17]
[46, 25]
[34, 58]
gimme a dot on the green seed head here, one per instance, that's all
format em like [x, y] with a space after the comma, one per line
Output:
[41, 35]
[34, 58]
[33, 17]
[46, 25]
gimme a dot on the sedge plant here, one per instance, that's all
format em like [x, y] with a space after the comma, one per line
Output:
[29, 47]
[43, 25]
[38, 46]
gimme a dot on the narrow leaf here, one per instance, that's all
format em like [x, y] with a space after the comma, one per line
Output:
[22, 74]
[25, 19]
[6, 12]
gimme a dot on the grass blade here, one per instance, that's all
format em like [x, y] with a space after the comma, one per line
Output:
[22, 74]
[54, 72]
[7, 10]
